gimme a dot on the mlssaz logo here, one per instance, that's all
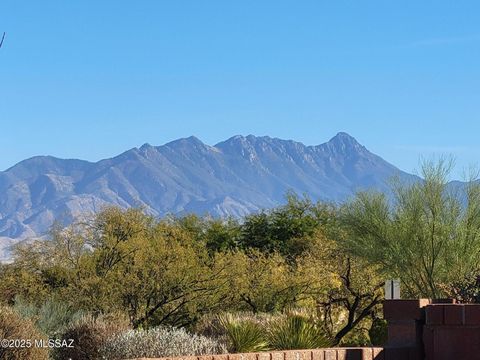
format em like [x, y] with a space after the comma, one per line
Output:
[54, 343]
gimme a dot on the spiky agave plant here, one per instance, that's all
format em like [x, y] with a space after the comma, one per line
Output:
[243, 335]
[296, 332]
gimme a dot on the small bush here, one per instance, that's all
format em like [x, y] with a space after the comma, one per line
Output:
[12, 326]
[24, 308]
[159, 342]
[209, 326]
[295, 332]
[378, 332]
[89, 334]
[52, 317]
[356, 338]
[243, 335]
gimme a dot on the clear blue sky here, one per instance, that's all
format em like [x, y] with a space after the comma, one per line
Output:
[90, 79]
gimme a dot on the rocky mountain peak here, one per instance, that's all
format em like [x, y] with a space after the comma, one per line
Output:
[235, 177]
[345, 144]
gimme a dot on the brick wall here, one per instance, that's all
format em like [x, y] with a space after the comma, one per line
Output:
[452, 332]
[437, 330]
[417, 330]
[369, 353]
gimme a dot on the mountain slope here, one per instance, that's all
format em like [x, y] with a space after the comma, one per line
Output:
[234, 177]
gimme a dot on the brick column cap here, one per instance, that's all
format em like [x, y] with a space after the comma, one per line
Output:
[404, 309]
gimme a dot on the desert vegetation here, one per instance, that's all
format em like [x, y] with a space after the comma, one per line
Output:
[125, 284]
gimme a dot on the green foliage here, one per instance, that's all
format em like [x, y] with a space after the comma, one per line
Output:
[356, 296]
[216, 234]
[430, 237]
[243, 335]
[255, 332]
[14, 327]
[125, 261]
[50, 318]
[222, 235]
[22, 278]
[165, 280]
[172, 271]
[262, 282]
[286, 229]
[296, 332]
[378, 332]
[357, 338]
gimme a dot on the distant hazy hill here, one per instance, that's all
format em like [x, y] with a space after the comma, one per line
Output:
[234, 177]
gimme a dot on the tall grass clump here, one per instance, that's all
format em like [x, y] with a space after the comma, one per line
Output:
[159, 342]
[295, 332]
[243, 335]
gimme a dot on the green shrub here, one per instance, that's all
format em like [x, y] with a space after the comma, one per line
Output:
[378, 332]
[89, 335]
[295, 332]
[25, 309]
[356, 338]
[159, 342]
[52, 317]
[12, 327]
[243, 335]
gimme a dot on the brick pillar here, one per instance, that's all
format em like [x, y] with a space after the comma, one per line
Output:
[405, 320]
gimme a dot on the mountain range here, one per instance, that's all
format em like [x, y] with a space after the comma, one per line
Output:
[235, 177]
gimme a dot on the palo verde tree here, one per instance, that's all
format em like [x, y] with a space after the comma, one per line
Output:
[429, 236]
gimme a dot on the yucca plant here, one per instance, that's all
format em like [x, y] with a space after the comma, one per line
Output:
[243, 335]
[295, 332]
